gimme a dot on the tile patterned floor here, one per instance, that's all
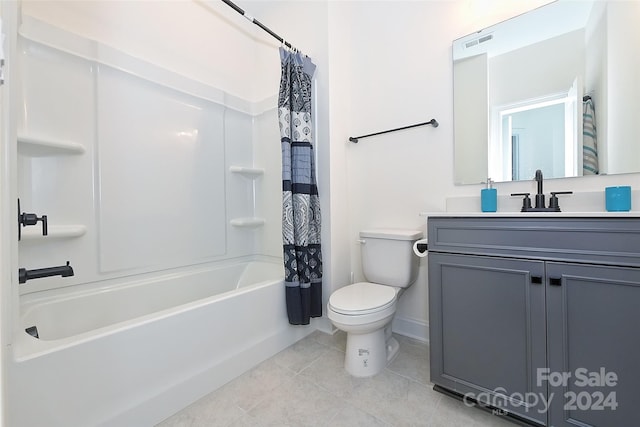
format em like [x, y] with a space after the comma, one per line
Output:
[306, 385]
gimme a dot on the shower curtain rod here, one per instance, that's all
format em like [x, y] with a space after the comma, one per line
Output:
[258, 23]
[432, 122]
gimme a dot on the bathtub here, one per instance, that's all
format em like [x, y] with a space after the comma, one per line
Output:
[133, 354]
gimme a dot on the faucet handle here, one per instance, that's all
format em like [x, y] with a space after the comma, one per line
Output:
[553, 201]
[526, 202]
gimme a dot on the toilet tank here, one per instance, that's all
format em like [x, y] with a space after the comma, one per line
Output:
[388, 258]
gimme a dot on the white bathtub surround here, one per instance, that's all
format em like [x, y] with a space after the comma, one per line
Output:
[159, 190]
[135, 368]
[98, 165]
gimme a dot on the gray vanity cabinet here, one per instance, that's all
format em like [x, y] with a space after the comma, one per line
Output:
[593, 321]
[487, 325]
[539, 317]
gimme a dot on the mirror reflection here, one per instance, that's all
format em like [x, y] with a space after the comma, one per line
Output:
[554, 89]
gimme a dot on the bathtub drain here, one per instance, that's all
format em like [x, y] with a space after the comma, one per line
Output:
[33, 331]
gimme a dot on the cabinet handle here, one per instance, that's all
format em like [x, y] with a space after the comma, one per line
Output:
[555, 281]
[536, 280]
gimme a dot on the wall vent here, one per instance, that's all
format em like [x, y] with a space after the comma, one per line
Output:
[479, 40]
[471, 43]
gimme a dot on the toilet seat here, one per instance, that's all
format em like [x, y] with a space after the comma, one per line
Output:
[362, 298]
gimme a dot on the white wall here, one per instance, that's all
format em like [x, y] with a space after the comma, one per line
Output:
[225, 54]
[623, 58]
[400, 76]
[396, 77]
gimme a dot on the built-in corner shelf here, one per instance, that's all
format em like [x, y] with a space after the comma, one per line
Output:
[54, 232]
[41, 147]
[246, 171]
[250, 222]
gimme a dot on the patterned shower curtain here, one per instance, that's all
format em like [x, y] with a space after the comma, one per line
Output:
[300, 202]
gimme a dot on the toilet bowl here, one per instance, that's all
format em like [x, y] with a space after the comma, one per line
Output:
[364, 310]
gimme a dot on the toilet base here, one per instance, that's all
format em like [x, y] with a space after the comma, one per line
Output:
[367, 354]
[392, 349]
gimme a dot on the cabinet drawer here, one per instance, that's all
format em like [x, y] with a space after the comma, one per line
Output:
[613, 241]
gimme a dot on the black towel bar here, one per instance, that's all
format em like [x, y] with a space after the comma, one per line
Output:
[432, 122]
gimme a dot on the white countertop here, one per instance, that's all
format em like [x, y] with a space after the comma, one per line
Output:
[630, 214]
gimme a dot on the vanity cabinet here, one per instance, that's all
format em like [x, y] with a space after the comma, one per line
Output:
[487, 328]
[538, 317]
[593, 316]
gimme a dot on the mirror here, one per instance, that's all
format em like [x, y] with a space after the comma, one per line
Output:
[526, 91]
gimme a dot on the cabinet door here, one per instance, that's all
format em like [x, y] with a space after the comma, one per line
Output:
[487, 330]
[593, 316]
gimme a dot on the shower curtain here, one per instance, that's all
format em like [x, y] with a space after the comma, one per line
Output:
[300, 202]
[589, 140]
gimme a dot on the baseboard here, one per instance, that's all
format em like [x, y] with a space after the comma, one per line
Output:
[412, 328]
[323, 324]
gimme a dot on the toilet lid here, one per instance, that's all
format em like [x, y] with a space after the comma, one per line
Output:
[361, 298]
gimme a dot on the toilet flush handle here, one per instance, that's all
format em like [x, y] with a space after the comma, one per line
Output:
[361, 241]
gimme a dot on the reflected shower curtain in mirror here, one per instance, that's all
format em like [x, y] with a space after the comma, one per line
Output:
[589, 138]
[300, 202]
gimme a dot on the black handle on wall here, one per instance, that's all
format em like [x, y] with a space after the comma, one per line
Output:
[25, 219]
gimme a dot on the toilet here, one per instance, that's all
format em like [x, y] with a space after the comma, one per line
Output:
[365, 310]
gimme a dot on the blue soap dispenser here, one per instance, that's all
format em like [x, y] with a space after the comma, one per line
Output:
[489, 198]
